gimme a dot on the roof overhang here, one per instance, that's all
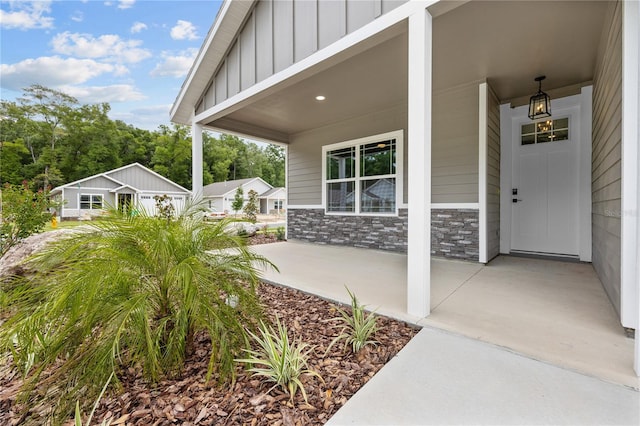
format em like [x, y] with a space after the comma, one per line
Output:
[228, 22]
[472, 41]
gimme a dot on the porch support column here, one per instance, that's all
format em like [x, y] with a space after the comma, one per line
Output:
[419, 173]
[196, 161]
[630, 285]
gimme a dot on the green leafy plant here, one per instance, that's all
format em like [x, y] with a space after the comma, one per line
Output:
[251, 208]
[279, 359]
[358, 327]
[238, 201]
[280, 233]
[130, 291]
[22, 213]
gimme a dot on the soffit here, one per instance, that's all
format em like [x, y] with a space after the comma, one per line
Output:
[507, 43]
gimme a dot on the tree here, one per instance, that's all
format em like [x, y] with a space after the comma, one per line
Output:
[13, 156]
[252, 208]
[129, 292]
[22, 213]
[238, 200]
[172, 156]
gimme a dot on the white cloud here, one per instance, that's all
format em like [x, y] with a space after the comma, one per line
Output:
[144, 118]
[137, 27]
[125, 4]
[109, 47]
[111, 93]
[27, 15]
[77, 16]
[52, 71]
[184, 30]
[175, 65]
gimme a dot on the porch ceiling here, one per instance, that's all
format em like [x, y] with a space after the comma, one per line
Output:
[508, 43]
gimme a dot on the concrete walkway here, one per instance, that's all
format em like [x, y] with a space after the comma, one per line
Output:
[543, 344]
[443, 379]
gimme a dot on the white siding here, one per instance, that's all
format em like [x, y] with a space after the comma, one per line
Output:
[279, 33]
[454, 161]
[606, 156]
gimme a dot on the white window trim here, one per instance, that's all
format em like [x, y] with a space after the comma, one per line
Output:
[91, 195]
[398, 135]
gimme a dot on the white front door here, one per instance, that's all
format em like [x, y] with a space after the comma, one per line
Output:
[545, 184]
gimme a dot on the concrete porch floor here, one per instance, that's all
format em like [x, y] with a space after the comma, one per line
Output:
[555, 312]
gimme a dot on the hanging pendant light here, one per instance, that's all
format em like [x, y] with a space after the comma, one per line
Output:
[540, 103]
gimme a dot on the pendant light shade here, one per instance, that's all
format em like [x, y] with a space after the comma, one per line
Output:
[540, 103]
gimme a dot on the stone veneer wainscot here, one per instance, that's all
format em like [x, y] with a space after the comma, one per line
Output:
[454, 232]
[373, 232]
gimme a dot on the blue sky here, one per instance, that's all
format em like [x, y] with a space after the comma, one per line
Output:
[133, 54]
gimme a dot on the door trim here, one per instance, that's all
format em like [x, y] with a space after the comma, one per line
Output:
[507, 115]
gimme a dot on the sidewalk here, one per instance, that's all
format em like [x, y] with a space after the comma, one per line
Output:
[441, 378]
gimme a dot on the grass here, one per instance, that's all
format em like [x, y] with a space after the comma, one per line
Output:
[65, 224]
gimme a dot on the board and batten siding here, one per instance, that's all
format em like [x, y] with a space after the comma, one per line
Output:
[144, 181]
[279, 33]
[454, 145]
[305, 151]
[493, 175]
[606, 155]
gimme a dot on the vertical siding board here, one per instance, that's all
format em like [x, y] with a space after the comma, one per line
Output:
[221, 84]
[389, 5]
[360, 13]
[264, 40]
[332, 22]
[248, 54]
[305, 21]
[233, 70]
[282, 34]
[606, 156]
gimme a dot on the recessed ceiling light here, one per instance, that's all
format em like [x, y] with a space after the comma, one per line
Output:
[320, 98]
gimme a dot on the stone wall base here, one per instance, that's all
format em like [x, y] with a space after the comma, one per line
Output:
[454, 232]
[373, 232]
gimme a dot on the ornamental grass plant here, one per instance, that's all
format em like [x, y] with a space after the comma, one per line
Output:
[358, 326]
[129, 291]
[279, 360]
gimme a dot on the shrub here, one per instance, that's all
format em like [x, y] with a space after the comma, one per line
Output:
[357, 327]
[251, 209]
[24, 212]
[283, 360]
[280, 233]
[130, 292]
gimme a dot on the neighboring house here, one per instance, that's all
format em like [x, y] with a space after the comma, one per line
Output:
[133, 185]
[427, 101]
[220, 195]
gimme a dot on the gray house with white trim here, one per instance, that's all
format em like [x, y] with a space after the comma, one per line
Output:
[220, 195]
[432, 97]
[133, 185]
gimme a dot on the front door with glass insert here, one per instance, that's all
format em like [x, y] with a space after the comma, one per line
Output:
[545, 192]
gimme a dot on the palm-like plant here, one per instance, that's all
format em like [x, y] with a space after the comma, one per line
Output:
[130, 291]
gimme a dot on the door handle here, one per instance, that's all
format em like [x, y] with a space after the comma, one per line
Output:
[515, 200]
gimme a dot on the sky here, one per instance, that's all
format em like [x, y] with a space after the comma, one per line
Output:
[133, 54]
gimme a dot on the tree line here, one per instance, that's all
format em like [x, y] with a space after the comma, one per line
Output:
[48, 139]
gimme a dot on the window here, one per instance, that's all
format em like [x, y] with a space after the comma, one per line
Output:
[90, 201]
[277, 205]
[545, 131]
[363, 176]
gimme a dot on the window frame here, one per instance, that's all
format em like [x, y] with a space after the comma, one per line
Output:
[398, 136]
[91, 201]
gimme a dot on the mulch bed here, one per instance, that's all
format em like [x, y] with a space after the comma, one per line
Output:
[190, 400]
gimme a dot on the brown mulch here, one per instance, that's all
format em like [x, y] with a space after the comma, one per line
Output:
[190, 400]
